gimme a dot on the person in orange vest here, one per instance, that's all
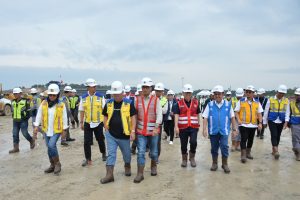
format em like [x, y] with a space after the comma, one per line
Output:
[187, 124]
[277, 116]
[248, 114]
[149, 118]
[91, 120]
[295, 123]
[52, 115]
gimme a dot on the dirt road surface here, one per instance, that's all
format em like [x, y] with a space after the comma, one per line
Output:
[22, 176]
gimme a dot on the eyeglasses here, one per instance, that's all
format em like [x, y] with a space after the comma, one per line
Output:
[52, 95]
[248, 91]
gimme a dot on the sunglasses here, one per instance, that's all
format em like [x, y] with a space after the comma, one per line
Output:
[52, 95]
[248, 91]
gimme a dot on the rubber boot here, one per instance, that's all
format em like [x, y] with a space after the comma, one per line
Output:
[276, 153]
[127, 168]
[248, 154]
[237, 146]
[57, 165]
[32, 143]
[297, 153]
[153, 168]
[104, 157]
[214, 165]
[140, 174]
[233, 146]
[109, 175]
[225, 165]
[15, 149]
[51, 168]
[243, 156]
[192, 159]
[184, 160]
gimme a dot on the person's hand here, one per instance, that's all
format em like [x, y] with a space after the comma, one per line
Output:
[155, 131]
[132, 135]
[285, 125]
[35, 131]
[259, 126]
[234, 133]
[204, 132]
[81, 126]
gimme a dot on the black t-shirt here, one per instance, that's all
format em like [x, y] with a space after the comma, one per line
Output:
[115, 123]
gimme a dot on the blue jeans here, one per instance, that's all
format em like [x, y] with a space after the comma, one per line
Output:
[23, 126]
[219, 141]
[141, 145]
[112, 146]
[51, 144]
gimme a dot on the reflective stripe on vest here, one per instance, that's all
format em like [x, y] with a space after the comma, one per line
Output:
[19, 109]
[58, 117]
[73, 101]
[219, 118]
[125, 114]
[146, 118]
[93, 109]
[277, 109]
[234, 100]
[248, 112]
[188, 117]
[295, 113]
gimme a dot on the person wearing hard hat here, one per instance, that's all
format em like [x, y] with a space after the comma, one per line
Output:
[149, 118]
[277, 116]
[236, 138]
[187, 124]
[43, 95]
[228, 95]
[159, 93]
[248, 114]
[263, 102]
[128, 94]
[74, 103]
[119, 123]
[20, 114]
[219, 115]
[66, 100]
[168, 116]
[52, 115]
[211, 98]
[295, 123]
[107, 95]
[91, 120]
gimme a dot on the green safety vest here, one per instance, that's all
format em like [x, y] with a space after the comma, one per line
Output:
[73, 101]
[20, 109]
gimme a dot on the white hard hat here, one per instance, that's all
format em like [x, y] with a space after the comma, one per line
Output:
[159, 86]
[139, 87]
[136, 93]
[17, 90]
[33, 91]
[74, 91]
[218, 88]
[228, 92]
[187, 88]
[239, 92]
[108, 92]
[251, 88]
[68, 89]
[53, 89]
[116, 87]
[153, 93]
[90, 82]
[297, 91]
[43, 94]
[170, 92]
[261, 91]
[147, 82]
[127, 88]
[282, 89]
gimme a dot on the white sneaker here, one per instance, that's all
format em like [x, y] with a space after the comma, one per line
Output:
[170, 142]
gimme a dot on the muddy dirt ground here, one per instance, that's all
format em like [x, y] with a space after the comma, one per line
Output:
[22, 176]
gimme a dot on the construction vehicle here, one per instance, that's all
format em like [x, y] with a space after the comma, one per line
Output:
[5, 105]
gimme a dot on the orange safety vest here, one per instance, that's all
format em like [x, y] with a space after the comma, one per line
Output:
[188, 117]
[146, 118]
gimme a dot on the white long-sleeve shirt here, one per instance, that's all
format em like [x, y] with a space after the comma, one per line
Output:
[165, 109]
[51, 113]
[277, 121]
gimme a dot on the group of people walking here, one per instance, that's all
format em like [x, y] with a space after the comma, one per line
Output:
[140, 118]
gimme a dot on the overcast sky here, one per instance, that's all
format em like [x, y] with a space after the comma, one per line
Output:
[201, 42]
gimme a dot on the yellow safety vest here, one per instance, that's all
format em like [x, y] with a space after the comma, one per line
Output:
[92, 109]
[234, 100]
[19, 109]
[125, 115]
[58, 117]
[73, 101]
[295, 113]
[248, 113]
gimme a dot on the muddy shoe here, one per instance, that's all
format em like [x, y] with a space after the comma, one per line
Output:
[297, 153]
[184, 160]
[225, 165]
[57, 165]
[214, 165]
[51, 168]
[192, 159]
[109, 175]
[153, 168]
[127, 168]
[15, 149]
[64, 143]
[248, 154]
[86, 163]
[140, 174]
[32, 143]
[243, 156]
[276, 153]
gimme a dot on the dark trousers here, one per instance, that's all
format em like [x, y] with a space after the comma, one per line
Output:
[88, 139]
[186, 135]
[261, 132]
[247, 137]
[169, 128]
[75, 115]
[275, 130]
